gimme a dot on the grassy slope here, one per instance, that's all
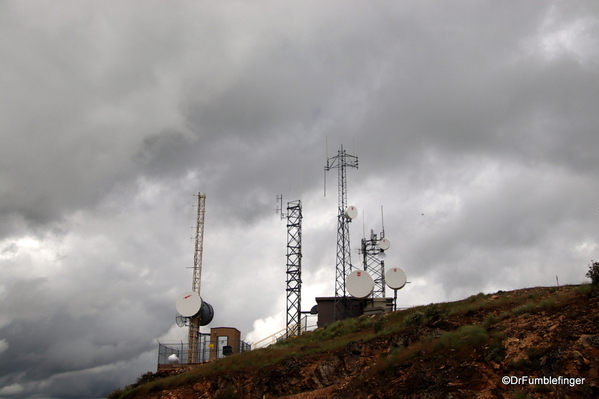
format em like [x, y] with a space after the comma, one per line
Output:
[475, 323]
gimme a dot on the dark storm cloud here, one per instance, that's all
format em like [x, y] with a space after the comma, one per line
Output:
[475, 127]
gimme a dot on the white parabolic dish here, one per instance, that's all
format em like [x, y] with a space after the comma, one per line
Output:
[384, 244]
[351, 212]
[359, 284]
[395, 278]
[189, 304]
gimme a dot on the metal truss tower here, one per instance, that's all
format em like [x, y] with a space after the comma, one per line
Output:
[370, 251]
[294, 267]
[341, 162]
[194, 322]
[294, 263]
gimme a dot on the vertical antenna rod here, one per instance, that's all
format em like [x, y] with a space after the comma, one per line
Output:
[341, 161]
[194, 322]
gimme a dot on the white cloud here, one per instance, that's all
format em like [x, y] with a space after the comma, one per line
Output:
[11, 390]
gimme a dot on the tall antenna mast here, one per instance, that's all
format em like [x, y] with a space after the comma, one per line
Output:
[341, 161]
[194, 322]
[294, 263]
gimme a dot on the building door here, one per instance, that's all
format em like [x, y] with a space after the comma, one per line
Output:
[223, 341]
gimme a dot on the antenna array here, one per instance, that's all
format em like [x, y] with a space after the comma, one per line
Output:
[374, 263]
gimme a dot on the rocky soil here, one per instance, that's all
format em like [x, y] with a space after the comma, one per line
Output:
[548, 333]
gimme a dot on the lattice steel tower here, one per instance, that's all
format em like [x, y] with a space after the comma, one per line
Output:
[373, 263]
[342, 161]
[194, 322]
[294, 263]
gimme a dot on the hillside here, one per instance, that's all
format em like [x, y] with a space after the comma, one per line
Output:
[450, 350]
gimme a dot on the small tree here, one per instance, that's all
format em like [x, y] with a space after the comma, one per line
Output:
[593, 273]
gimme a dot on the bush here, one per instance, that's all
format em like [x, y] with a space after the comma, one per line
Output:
[593, 273]
[489, 320]
[474, 336]
[432, 310]
[414, 319]
[379, 324]
[526, 308]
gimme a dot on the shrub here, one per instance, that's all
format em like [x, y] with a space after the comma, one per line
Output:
[584, 289]
[432, 310]
[475, 336]
[526, 308]
[593, 273]
[496, 352]
[414, 319]
[549, 303]
[489, 320]
[379, 324]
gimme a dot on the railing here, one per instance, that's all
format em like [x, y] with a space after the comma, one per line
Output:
[285, 333]
[206, 350]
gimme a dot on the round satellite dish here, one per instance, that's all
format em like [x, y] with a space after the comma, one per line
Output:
[359, 284]
[395, 278]
[382, 256]
[189, 304]
[384, 244]
[314, 309]
[181, 321]
[351, 212]
[173, 359]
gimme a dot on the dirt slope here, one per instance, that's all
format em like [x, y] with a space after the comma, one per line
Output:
[453, 350]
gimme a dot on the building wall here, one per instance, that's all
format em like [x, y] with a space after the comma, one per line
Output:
[233, 340]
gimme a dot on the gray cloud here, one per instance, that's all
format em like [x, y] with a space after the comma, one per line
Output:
[475, 127]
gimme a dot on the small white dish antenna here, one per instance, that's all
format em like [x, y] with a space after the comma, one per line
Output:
[382, 256]
[384, 244]
[189, 304]
[351, 212]
[395, 278]
[359, 284]
[173, 359]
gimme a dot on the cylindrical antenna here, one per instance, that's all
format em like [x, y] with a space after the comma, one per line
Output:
[363, 227]
[301, 180]
[280, 205]
[382, 223]
[326, 149]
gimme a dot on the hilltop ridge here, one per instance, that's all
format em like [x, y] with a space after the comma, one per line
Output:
[528, 343]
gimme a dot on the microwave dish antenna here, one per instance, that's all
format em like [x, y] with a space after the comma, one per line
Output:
[188, 304]
[396, 279]
[359, 284]
[351, 212]
[384, 244]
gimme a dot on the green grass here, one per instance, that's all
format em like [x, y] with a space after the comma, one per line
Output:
[471, 336]
[489, 320]
[526, 308]
[483, 314]
[584, 289]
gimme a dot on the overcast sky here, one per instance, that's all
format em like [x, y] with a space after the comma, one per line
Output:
[475, 125]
